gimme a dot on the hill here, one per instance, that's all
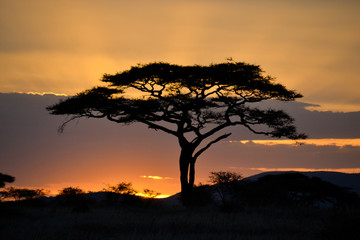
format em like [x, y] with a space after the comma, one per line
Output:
[347, 180]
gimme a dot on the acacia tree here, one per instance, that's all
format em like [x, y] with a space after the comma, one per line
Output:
[195, 104]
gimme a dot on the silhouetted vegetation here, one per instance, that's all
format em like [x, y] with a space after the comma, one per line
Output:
[151, 193]
[226, 187]
[184, 101]
[18, 194]
[74, 197]
[4, 178]
[125, 188]
[224, 177]
[273, 207]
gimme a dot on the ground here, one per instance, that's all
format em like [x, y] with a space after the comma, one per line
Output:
[151, 220]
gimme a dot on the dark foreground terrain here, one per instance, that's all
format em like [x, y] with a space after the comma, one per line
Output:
[286, 206]
[151, 220]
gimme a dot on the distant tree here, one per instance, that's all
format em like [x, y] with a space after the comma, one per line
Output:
[125, 188]
[74, 197]
[224, 177]
[195, 104]
[71, 191]
[226, 185]
[4, 195]
[4, 178]
[151, 193]
[24, 193]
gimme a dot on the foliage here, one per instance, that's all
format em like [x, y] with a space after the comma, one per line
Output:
[224, 177]
[3, 195]
[4, 178]
[226, 186]
[71, 191]
[75, 197]
[151, 193]
[22, 193]
[124, 188]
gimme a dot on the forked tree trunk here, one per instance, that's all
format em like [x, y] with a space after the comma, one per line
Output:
[187, 175]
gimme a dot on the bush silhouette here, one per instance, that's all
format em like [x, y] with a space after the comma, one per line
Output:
[225, 186]
[123, 192]
[18, 194]
[75, 197]
[125, 188]
[150, 193]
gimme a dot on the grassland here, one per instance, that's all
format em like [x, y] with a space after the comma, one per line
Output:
[150, 220]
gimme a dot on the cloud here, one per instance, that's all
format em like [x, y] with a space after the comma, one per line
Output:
[48, 46]
[317, 142]
[44, 93]
[156, 177]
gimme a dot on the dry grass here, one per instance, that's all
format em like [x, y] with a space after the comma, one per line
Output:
[154, 222]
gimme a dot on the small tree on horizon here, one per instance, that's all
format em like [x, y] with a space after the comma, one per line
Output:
[195, 104]
[224, 177]
[226, 185]
[24, 193]
[151, 193]
[125, 188]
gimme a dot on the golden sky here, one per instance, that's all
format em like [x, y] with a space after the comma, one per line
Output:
[65, 46]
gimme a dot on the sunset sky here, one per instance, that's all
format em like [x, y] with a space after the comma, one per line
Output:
[64, 47]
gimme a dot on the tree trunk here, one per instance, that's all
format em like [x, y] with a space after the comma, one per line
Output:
[187, 175]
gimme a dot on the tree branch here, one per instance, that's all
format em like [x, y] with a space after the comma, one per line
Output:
[62, 126]
[156, 126]
[209, 145]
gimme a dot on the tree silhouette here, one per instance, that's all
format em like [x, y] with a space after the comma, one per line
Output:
[224, 177]
[125, 188]
[151, 193]
[226, 184]
[5, 179]
[24, 193]
[195, 104]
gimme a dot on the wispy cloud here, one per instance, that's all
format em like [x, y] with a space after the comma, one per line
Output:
[44, 93]
[355, 142]
[156, 177]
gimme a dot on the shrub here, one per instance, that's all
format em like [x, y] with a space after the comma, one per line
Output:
[224, 177]
[121, 188]
[74, 197]
[23, 193]
[151, 193]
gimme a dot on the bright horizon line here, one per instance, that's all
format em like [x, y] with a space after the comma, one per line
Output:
[338, 142]
[53, 192]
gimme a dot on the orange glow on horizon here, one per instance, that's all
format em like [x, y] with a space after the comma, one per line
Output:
[147, 196]
[44, 93]
[54, 189]
[355, 142]
[156, 177]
